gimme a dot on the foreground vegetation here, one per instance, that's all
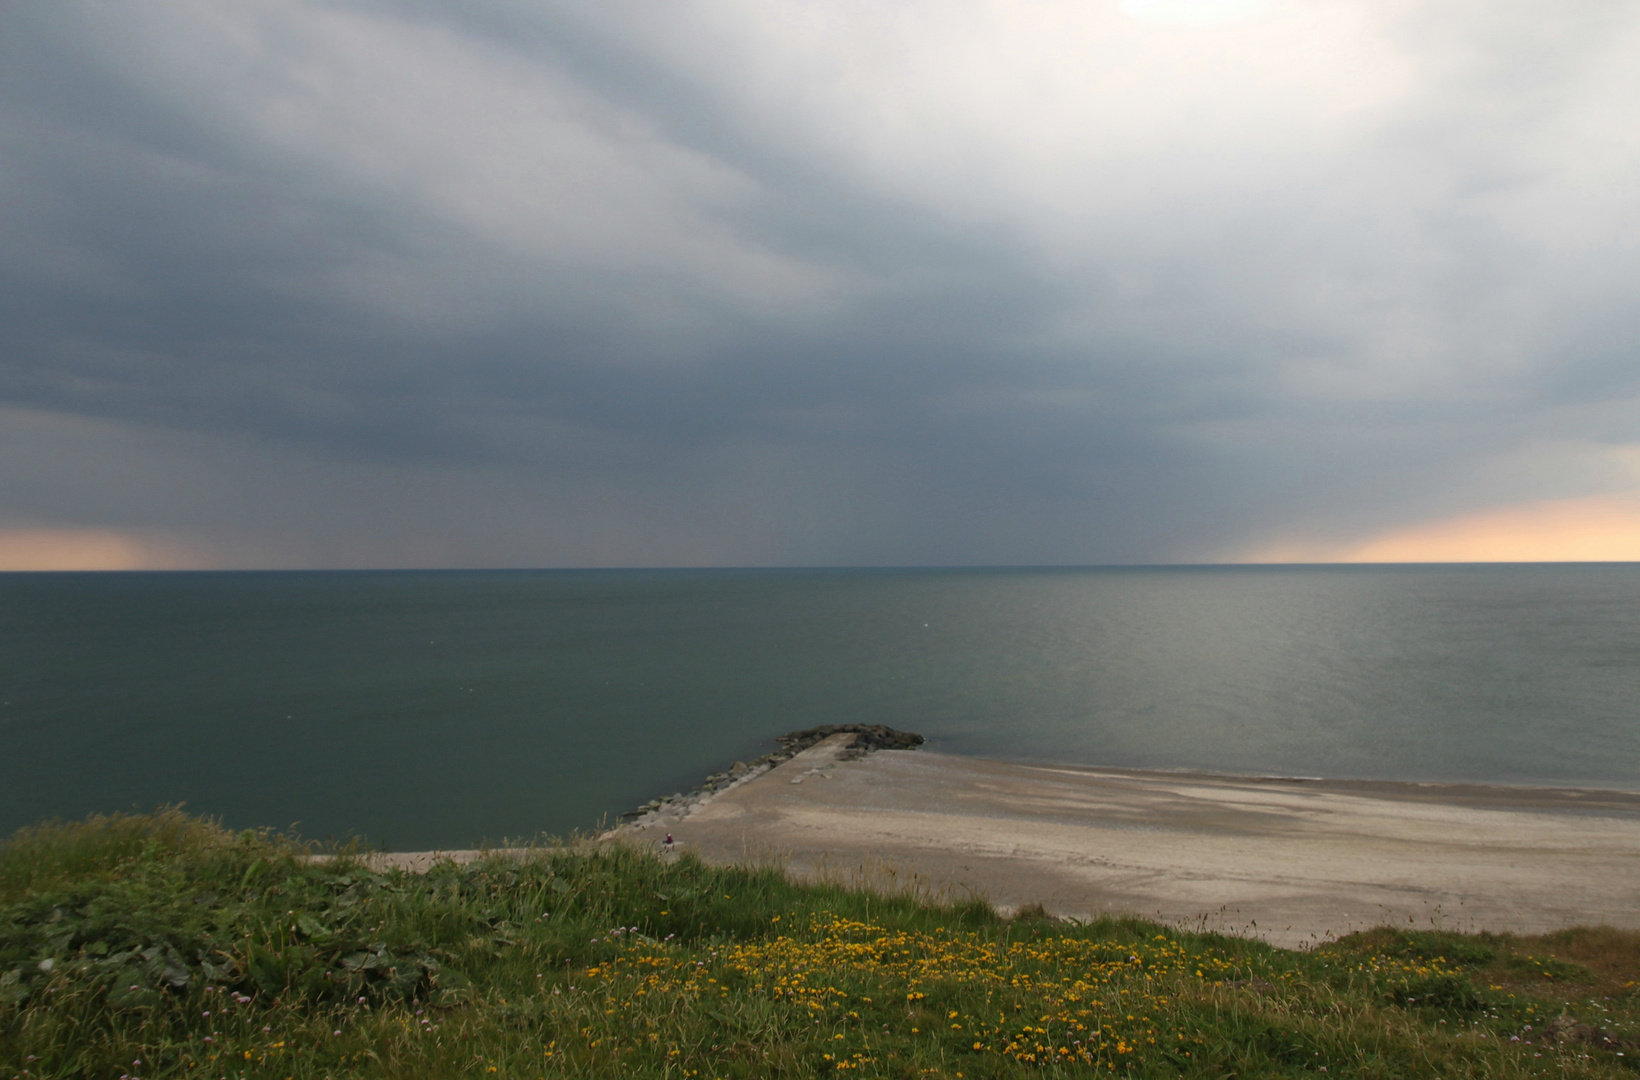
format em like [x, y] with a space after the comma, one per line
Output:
[162, 946]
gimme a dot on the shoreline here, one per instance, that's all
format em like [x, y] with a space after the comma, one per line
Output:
[1292, 860]
[1469, 792]
[1249, 777]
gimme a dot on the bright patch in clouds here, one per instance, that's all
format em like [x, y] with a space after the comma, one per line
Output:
[1193, 12]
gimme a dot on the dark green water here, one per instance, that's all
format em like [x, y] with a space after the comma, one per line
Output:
[445, 708]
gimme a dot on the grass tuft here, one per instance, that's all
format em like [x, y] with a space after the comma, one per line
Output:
[56, 852]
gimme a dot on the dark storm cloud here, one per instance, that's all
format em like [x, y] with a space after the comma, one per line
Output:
[503, 283]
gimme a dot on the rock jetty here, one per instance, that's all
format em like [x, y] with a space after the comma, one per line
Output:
[867, 739]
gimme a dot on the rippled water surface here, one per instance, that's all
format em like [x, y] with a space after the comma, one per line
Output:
[441, 709]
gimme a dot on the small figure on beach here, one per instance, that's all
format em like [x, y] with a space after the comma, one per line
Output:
[668, 841]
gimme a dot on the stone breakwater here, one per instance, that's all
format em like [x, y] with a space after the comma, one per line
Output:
[867, 738]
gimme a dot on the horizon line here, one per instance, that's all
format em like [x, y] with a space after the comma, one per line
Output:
[816, 567]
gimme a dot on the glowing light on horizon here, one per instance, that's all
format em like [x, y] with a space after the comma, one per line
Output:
[1601, 528]
[89, 549]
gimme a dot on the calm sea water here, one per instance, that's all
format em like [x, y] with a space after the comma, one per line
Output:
[446, 708]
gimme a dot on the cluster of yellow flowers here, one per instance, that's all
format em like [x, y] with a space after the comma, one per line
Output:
[1089, 1000]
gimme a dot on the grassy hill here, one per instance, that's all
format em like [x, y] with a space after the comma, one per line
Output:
[164, 946]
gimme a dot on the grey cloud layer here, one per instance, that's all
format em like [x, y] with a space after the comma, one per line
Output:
[500, 283]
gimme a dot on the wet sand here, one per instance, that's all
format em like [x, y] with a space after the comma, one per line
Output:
[1292, 861]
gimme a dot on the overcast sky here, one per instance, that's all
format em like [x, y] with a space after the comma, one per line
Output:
[527, 283]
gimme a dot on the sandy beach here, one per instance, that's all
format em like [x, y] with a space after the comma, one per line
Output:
[1292, 861]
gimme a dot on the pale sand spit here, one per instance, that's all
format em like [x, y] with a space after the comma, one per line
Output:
[1291, 861]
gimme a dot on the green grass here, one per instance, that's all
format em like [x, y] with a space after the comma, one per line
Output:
[162, 946]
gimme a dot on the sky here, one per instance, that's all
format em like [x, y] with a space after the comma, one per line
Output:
[343, 283]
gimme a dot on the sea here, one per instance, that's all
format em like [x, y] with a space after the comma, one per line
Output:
[445, 709]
